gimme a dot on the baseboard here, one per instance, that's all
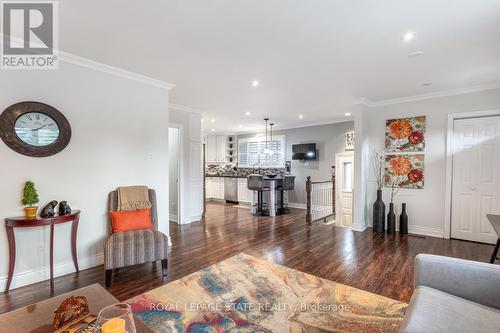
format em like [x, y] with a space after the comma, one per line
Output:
[297, 205]
[173, 218]
[425, 231]
[43, 273]
[357, 227]
[195, 218]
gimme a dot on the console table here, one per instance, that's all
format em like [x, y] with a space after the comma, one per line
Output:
[23, 222]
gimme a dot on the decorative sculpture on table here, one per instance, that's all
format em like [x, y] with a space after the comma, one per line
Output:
[71, 314]
[64, 208]
[49, 209]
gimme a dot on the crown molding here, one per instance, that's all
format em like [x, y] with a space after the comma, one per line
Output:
[438, 94]
[100, 67]
[302, 125]
[185, 108]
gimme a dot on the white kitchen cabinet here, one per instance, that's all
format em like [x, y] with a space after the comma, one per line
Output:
[221, 148]
[209, 188]
[218, 188]
[244, 194]
[214, 188]
[211, 149]
[216, 149]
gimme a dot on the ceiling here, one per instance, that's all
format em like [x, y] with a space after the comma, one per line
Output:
[311, 58]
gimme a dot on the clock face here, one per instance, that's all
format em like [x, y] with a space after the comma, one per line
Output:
[37, 129]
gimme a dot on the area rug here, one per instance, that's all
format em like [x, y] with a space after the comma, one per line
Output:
[248, 294]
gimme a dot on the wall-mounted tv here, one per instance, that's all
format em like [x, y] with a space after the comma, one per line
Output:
[304, 152]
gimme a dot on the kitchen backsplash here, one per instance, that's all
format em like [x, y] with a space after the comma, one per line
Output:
[231, 170]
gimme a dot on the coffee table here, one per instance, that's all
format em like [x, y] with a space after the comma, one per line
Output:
[37, 318]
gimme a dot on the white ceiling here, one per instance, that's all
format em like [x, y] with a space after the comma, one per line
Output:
[311, 57]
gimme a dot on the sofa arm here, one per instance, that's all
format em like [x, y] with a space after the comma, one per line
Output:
[475, 281]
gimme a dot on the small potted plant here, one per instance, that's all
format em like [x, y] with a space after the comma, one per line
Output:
[30, 198]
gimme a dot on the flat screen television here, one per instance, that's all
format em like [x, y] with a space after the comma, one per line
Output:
[304, 152]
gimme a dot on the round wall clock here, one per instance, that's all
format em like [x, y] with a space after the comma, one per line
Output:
[34, 129]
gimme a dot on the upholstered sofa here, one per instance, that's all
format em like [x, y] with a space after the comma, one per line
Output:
[453, 295]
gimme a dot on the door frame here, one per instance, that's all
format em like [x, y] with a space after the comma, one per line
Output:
[449, 161]
[180, 175]
[349, 153]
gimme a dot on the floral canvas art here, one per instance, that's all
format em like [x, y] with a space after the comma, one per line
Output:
[404, 171]
[405, 134]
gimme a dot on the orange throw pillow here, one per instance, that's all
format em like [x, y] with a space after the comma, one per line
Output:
[131, 220]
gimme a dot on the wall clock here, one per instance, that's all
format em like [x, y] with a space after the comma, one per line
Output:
[34, 129]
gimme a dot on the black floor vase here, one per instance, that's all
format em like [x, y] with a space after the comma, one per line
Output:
[379, 213]
[391, 220]
[403, 221]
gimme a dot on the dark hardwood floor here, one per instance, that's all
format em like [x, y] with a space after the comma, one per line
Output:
[377, 263]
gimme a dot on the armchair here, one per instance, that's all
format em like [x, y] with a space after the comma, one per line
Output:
[135, 247]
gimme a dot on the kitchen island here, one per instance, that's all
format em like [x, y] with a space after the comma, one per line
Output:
[233, 188]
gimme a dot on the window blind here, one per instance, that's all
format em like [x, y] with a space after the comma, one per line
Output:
[252, 151]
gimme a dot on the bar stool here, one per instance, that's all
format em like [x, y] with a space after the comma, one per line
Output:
[287, 184]
[495, 223]
[256, 183]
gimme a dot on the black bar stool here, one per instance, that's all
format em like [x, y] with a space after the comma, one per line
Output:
[287, 184]
[256, 183]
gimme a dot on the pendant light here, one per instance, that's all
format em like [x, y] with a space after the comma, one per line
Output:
[271, 151]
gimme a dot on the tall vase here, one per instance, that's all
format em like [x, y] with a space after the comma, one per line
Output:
[403, 221]
[379, 213]
[391, 220]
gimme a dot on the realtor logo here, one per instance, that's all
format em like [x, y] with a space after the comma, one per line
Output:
[29, 35]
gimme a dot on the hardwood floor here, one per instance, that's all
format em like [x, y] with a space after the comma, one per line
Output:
[377, 263]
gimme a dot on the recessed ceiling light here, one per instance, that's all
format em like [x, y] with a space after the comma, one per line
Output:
[415, 54]
[202, 120]
[212, 121]
[427, 84]
[247, 113]
[240, 126]
[408, 36]
[213, 130]
[255, 83]
[301, 116]
[347, 114]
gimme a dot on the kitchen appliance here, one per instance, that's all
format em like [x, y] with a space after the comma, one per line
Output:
[231, 189]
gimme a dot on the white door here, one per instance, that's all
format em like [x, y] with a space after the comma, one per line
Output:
[476, 178]
[344, 181]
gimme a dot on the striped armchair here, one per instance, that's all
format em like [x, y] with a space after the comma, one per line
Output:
[135, 247]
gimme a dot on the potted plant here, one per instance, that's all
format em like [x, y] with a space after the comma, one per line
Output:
[30, 198]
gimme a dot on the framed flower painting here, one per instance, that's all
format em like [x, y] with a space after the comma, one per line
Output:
[404, 171]
[405, 134]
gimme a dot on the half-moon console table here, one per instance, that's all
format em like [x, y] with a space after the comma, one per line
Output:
[23, 222]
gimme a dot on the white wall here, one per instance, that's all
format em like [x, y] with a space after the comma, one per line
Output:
[425, 207]
[191, 168]
[173, 171]
[119, 137]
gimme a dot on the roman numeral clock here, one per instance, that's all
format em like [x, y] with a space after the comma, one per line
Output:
[34, 129]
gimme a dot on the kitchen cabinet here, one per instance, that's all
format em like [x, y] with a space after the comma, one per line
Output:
[214, 188]
[211, 149]
[244, 194]
[216, 148]
[221, 148]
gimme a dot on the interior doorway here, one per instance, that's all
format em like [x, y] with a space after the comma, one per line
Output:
[344, 185]
[174, 149]
[475, 188]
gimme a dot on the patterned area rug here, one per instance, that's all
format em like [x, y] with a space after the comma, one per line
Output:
[248, 294]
